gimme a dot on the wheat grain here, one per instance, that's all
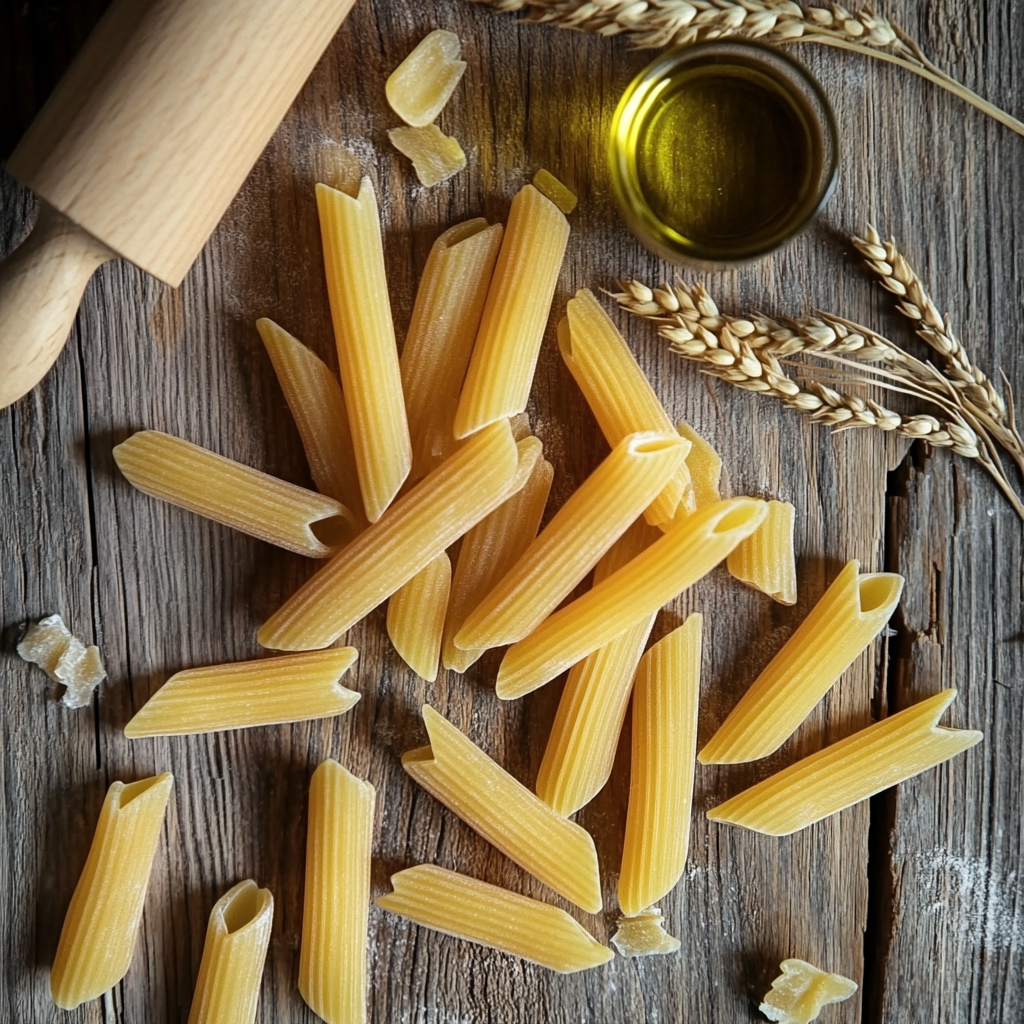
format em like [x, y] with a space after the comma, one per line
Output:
[660, 23]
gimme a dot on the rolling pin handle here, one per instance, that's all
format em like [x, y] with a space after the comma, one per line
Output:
[41, 286]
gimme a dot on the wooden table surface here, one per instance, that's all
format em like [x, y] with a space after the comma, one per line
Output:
[915, 894]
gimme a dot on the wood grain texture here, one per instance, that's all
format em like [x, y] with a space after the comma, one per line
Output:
[160, 590]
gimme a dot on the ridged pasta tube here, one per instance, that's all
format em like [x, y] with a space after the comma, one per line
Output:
[765, 560]
[416, 617]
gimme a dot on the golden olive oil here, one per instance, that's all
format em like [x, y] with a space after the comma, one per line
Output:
[721, 156]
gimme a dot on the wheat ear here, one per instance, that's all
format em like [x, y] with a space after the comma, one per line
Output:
[660, 23]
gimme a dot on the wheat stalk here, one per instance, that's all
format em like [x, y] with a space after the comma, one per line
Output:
[748, 352]
[979, 394]
[660, 23]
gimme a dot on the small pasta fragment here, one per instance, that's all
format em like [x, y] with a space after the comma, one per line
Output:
[545, 182]
[644, 935]
[670, 565]
[705, 466]
[49, 644]
[228, 987]
[487, 914]
[454, 770]
[582, 530]
[335, 913]
[271, 691]
[317, 405]
[850, 614]
[616, 389]
[365, 335]
[227, 492]
[826, 782]
[416, 617]
[765, 560]
[98, 937]
[424, 522]
[422, 84]
[665, 697]
[445, 319]
[515, 314]
[580, 751]
[800, 992]
[435, 157]
[488, 551]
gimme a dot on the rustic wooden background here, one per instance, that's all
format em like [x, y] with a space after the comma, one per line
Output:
[917, 894]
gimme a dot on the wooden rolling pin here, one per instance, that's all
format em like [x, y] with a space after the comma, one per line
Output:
[144, 142]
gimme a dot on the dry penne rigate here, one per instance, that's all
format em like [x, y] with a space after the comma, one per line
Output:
[431, 493]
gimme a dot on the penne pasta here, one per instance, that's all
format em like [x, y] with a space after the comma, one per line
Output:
[459, 774]
[439, 509]
[271, 691]
[546, 183]
[365, 335]
[616, 389]
[705, 466]
[765, 560]
[489, 550]
[317, 405]
[581, 748]
[435, 157]
[416, 617]
[98, 937]
[421, 85]
[228, 987]
[335, 912]
[800, 992]
[469, 909]
[445, 319]
[670, 565]
[880, 756]
[515, 314]
[582, 530]
[850, 614]
[665, 697]
[234, 495]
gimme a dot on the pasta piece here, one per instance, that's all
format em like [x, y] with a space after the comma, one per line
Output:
[365, 335]
[798, 995]
[457, 772]
[422, 84]
[883, 754]
[228, 987]
[445, 319]
[468, 909]
[581, 748]
[644, 935]
[488, 551]
[670, 565]
[271, 691]
[705, 466]
[317, 405]
[765, 560]
[665, 697]
[435, 157]
[438, 510]
[515, 314]
[545, 182]
[616, 389]
[98, 937]
[850, 614]
[335, 912]
[582, 530]
[227, 492]
[416, 617]
[49, 644]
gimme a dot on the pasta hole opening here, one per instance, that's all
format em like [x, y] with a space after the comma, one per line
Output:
[136, 789]
[420, 755]
[461, 232]
[242, 909]
[875, 592]
[334, 531]
[737, 518]
[655, 445]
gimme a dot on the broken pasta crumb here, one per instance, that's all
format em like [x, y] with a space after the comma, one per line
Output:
[49, 644]
[643, 935]
[422, 84]
[435, 157]
[799, 993]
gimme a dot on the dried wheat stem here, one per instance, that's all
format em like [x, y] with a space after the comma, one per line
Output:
[661, 23]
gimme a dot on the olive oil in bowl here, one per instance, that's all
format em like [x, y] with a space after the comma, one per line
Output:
[721, 152]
